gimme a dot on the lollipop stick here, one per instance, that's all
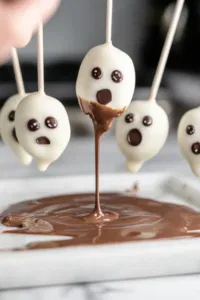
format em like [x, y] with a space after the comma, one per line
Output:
[40, 59]
[166, 50]
[17, 71]
[109, 21]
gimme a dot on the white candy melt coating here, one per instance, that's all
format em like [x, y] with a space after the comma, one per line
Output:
[153, 137]
[39, 106]
[192, 117]
[7, 127]
[108, 58]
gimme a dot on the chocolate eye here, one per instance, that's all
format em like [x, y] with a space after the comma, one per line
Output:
[190, 129]
[96, 73]
[33, 125]
[51, 122]
[129, 118]
[117, 76]
[11, 116]
[147, 121]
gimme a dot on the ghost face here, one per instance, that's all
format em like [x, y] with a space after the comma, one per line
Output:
[8, 132]
[141, 132]
[107, 77]
[43, 128]
[189, 139]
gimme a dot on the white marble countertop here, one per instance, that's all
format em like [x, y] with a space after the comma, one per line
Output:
[169, 288]
[79, 159]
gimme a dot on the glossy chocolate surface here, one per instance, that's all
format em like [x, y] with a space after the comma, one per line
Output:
[136, 219]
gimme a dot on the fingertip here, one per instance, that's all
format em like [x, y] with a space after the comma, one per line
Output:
[48, 8]
[23, 18]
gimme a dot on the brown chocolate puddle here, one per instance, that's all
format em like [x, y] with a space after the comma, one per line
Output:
[102, 118]
[139, 219]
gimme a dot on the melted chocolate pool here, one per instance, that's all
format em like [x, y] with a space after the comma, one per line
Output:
[138, 219]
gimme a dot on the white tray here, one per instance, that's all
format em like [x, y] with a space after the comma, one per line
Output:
[97, 263]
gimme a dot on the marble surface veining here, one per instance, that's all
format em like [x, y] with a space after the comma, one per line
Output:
[182, 287]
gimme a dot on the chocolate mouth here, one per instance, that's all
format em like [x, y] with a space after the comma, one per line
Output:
[14, 135]
[43, 140]
[196, 148]
[104, 96]
[134, 137]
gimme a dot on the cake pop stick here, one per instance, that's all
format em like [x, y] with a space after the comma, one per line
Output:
[42, 123]
[142, 131]
[40, 57]
[7, 115]
[166, 49]
[109, 21]
[18, 73]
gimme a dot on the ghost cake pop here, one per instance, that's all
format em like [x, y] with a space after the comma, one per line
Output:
[7, 115]
[142, 130]
[106, 79]
[189, 138]
[42, 124]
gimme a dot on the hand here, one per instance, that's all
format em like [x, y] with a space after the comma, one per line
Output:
[19, 19]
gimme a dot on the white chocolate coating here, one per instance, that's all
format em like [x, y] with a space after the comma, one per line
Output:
[39, 107]
[108, 58]
[148, 140]
[188, 138]
[7, 126]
